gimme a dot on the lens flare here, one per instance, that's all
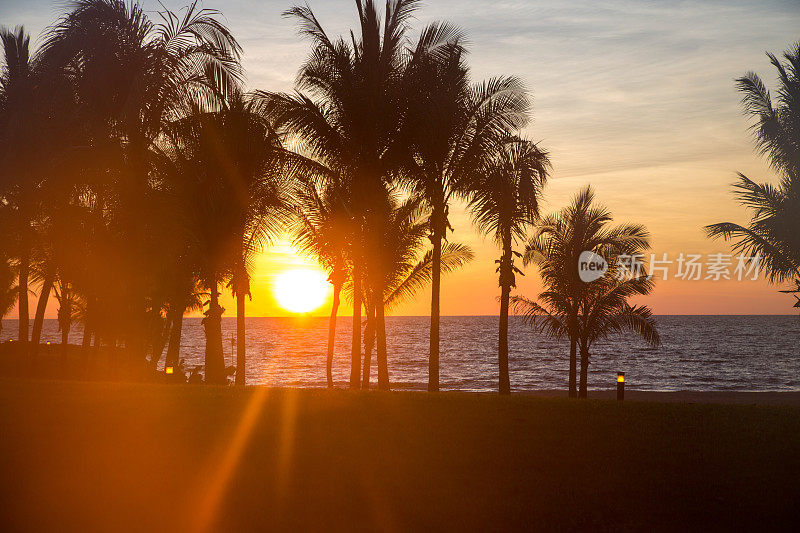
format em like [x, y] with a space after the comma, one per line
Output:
[301, 290]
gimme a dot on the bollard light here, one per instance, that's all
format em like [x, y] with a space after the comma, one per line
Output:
[620, 386]
[169, 370]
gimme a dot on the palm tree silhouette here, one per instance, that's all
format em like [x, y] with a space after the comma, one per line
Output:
[504, 202]
[772, 232]
[20, 107]
[401, 271]
[69, 306]
[555, 248]
[131, 77]
[208, 209]
[452, 128]
[253, 166]
[349, 124]
[324, 231]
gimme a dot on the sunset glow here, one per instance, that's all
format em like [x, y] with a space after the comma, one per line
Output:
[301, 290]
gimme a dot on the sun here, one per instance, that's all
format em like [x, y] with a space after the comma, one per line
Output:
[301, 290]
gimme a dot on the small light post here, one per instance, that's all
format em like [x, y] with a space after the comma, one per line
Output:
[620, 386]
[169, 370]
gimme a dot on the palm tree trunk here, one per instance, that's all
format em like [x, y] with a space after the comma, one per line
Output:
[369, 342]
[355, 351]
[65, 327]
[506, 276]
[240, 329]
[337, 289]
[573, 356]
[433, 354]
[87, 334]
[174, 346]
[24, 271]
[504, 385]
[41, 306]
[380, 336]
[160, 338]
[88, 329]
[215, 362]
[583, 392]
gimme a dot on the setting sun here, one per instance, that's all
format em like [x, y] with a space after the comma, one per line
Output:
[301, 290]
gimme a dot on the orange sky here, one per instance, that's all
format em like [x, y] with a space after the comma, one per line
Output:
[635, 98]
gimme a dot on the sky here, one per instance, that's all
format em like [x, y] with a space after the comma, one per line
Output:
[636, 99]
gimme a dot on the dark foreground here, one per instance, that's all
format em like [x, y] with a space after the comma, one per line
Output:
[94, 456]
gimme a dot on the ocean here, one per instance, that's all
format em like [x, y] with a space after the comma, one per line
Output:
[700, 353]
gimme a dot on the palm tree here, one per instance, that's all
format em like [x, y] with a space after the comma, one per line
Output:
[226, 169]
[772, 233]
[349, 124]
[132, 77]
[555, 248]
[178, 287]
[504, 202]
[323, 231]
[69, 311]
[20, 107]
[400, 271]
[452, 128]
[253, 166]
[208, 208]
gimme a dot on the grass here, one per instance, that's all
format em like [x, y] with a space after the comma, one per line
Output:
[115, 456]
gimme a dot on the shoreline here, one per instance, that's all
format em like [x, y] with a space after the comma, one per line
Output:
[791, 398]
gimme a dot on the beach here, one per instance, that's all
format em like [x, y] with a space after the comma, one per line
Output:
[99, 456]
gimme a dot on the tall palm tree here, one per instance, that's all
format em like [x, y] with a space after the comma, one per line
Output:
[773, 232]
[504, 202]
[348, 124]
[556, 247]
[249, 159]
[324, 231]
[208, 208]
[20, 109]
[452, 127]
